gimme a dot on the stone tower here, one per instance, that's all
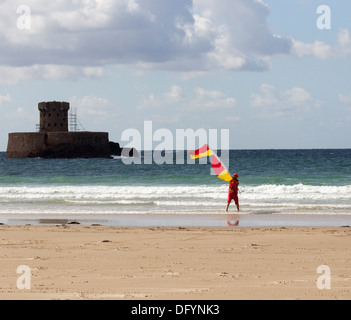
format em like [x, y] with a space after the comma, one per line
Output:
[53, 116]
[55, 141]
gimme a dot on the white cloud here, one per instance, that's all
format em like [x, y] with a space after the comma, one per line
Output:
[294, 102]
[210, 101]
[20, 117]
[173, 96]
[346, 100]
[84, 32]
[13, 75]
[5, 99]
[149, 102]
[322, 50]
[243, 39]
[202, 100]
[182, 35]
[317, 49]
[93, 107]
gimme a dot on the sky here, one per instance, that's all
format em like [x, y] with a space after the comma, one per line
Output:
[275, 73]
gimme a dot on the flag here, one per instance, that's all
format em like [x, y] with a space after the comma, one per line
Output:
[220, 170]
[205, 151]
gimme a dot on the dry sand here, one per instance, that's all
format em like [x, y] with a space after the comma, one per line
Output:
[96, 262]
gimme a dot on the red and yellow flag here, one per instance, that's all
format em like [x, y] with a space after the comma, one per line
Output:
[219, 169]
[205, 151]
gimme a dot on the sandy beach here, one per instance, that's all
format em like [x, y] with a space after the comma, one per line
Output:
[160, 263]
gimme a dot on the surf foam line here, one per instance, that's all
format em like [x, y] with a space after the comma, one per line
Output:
[103, 198]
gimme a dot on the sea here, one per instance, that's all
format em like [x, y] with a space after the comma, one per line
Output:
[303, 182]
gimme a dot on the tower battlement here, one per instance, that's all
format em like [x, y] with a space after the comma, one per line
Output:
[53, 116]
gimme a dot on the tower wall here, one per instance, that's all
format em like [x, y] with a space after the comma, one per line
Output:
[24, 144]
[53, 116]
[21, 144]
[94, 139]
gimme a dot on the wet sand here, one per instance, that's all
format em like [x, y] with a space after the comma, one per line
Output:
[254, 219]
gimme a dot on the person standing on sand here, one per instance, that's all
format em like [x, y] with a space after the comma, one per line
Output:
[233, 192]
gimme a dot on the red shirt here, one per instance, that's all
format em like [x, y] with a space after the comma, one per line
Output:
[233, 187]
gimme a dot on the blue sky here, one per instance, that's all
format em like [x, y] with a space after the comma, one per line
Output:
[262, 69]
